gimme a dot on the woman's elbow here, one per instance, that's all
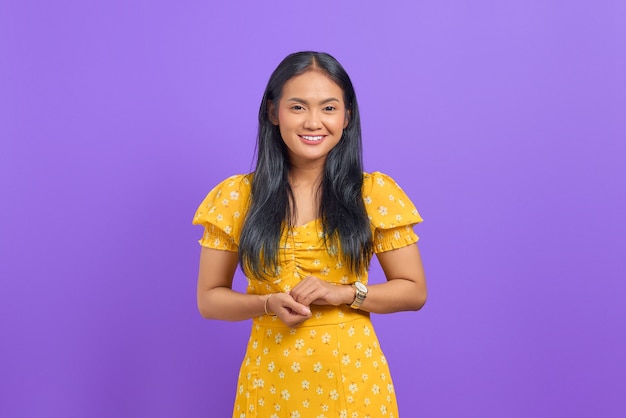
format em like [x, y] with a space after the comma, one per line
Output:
[205, 309]
[419, 298]
[420, 301]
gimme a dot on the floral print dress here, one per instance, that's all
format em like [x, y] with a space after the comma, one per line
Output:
[332, 364]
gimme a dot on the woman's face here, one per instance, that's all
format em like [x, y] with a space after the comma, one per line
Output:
[311, 116]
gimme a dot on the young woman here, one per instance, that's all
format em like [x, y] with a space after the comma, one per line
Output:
[303, 227]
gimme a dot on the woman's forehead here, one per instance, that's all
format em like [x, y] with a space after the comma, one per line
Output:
[312, 84]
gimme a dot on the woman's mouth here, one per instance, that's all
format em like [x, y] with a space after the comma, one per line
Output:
[312, 138]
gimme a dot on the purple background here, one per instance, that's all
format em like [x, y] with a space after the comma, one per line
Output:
[503, 120]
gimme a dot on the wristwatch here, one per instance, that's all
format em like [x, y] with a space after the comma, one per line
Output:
[361, 294]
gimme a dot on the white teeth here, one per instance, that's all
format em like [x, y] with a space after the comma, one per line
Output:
[312, 138]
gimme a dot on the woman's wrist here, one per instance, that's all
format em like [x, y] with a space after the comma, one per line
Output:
[350, 294]
[266, 307]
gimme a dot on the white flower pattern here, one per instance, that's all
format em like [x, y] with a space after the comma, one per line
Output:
[336, 351]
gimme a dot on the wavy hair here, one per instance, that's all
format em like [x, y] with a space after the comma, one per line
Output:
[346, 227]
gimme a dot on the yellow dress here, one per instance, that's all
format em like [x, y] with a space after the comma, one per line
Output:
[332, 364]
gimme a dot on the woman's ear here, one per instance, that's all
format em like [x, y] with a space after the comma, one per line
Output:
[346, 120]
[271, 113]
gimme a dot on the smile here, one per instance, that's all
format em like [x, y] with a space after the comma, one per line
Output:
[312, 138]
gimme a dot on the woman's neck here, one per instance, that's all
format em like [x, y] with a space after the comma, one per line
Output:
[305, 177]
[304, 183]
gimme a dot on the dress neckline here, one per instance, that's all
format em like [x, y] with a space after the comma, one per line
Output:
[306, 224]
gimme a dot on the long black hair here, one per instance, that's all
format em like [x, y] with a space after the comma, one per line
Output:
[345, 223]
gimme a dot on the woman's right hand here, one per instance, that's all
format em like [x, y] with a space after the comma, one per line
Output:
[217, 299]
[287, 309]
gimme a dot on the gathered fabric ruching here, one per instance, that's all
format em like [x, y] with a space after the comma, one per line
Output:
[331, 365]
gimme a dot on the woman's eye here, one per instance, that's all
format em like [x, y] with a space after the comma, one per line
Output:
[297, 107]
[329, 108]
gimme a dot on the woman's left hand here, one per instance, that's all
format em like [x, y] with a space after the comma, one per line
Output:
[315, 291]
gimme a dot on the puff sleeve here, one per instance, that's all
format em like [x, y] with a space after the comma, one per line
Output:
[222, 213]
[391, 212]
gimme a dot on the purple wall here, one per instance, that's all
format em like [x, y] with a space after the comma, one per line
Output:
[504, 120]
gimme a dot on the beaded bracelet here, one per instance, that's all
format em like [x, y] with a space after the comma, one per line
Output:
[265, 305]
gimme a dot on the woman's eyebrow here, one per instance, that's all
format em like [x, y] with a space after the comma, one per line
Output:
[298, 100]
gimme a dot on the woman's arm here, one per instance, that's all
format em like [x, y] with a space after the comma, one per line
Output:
[405, 289]
[217, 300]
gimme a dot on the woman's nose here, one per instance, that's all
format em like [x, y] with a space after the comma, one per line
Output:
[312, 120]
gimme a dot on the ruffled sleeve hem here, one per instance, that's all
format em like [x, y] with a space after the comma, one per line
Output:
[392, 214]
[393, 238]
[222, 213]
[215, 238]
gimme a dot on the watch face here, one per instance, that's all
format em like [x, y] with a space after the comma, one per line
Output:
[360, 287]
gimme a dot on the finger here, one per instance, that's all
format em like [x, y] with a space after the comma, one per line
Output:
[312, 292]
[286, 303]
[304, 283]
[298, 306]
[314, 295]
[291, 318]
[304, 296]
[294, 307]
[302, 291]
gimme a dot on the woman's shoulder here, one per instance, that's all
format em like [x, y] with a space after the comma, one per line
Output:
[239, 182]
[227, 199]
[387, 205]
[379, 180]
[235, 188]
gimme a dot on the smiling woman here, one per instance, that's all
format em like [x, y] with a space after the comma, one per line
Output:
[311, 117]
[303, 227]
